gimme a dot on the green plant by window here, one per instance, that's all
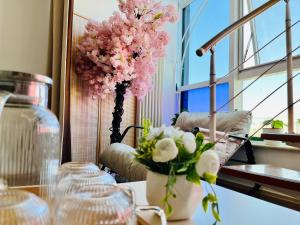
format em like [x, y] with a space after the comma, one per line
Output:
[275, 124]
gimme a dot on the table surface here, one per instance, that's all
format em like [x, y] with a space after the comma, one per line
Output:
[235, 209]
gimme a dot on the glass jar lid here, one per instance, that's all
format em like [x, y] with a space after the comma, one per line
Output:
[21, 76]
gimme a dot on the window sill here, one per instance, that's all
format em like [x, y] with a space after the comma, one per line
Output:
[281, 146]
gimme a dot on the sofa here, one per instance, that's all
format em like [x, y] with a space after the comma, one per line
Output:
[119, 157]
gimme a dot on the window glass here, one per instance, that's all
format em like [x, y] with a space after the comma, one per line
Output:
[197, 100]
[265, 27]
[214, 18]
[276, 103]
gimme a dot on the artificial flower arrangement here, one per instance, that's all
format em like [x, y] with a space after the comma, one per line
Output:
[172, 152]
[120, 55]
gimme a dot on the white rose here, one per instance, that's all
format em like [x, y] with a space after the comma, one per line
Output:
[208, 163]
[172, 132]
[155, 132]
[189, 142]
[165, 150]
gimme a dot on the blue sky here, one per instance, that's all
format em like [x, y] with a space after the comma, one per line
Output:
[215, 18]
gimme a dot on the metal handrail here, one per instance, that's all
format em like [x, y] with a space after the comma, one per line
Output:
[212, 42]
[256, 79]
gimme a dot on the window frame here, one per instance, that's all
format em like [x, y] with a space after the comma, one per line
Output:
[235, 59]
[254, 71]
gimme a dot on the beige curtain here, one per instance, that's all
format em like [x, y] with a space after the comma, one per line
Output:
[59, 24]
[59, 35]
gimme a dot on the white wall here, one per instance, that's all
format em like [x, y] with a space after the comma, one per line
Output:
[95, 9]
[282, 157]
[169, 104]
[25, 37]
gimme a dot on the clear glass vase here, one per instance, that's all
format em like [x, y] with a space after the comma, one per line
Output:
[29, 132]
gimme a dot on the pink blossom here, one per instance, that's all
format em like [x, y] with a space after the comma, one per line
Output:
[126, 47]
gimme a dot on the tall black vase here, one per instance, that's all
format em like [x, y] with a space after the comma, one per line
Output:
[116, 136]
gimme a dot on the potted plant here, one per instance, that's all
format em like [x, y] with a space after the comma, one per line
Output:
[176, 163]
[119, 56]
[277, 127]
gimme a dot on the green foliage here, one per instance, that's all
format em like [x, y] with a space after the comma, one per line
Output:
[169, 192]
[213, 200]
[256, 139]
[146, 125]
[210, 178]
[275, 124]
[215, 211]
[205, 203]
[183, 164]
[192, 175]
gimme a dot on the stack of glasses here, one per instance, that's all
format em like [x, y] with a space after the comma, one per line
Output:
[84, 196]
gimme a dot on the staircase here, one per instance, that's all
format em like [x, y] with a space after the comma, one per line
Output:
[290, 138]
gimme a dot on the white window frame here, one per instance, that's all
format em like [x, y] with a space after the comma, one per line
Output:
[233, 59]
[254, 71]
[236, 79]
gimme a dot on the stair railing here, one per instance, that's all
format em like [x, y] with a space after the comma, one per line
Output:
[209, 46]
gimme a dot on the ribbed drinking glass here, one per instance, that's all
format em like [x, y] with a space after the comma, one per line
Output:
[22, 208]
[97, 204]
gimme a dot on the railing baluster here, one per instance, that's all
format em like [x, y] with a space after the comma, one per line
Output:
[289, 60]
[212, 110]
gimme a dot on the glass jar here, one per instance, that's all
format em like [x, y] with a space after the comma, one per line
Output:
[29, 132]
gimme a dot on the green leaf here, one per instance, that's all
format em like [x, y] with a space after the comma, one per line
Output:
[205, 203]
[168, 209]
[215, 212]
[277, 124]
[207, 146]
[169, 192]
[212, 198]
[183, 168]
[146, 124]
[210, 178]
[199, 139]
[192, 175]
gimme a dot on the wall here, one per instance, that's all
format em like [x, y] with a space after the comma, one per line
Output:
[286, 157]
[25, 36]
[100, 10]
[169, 101]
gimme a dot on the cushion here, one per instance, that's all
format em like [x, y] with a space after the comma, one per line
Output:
[232, 122]
[119, 158]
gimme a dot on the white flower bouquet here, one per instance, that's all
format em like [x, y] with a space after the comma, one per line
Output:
[172, 152]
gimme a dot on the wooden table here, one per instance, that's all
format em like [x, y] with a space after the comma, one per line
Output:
[235, 209]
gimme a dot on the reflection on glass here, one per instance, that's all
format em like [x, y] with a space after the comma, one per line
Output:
[218, 14]
[265, 27]
[272, 106]
[197, 100]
